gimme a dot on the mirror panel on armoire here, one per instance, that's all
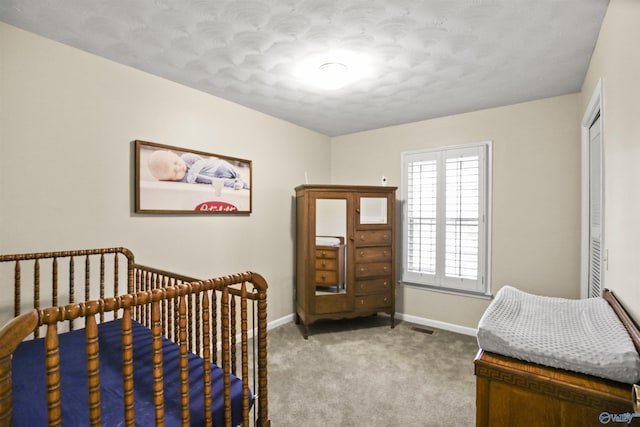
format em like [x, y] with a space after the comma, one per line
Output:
[373, 210]
[330, 246]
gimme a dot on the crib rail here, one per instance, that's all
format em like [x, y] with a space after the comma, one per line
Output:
[62, 277]
[200, 316]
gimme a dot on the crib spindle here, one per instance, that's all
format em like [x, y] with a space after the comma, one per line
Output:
[116, 276]
[102, 285]
[138, 288]
[226, 368]
[54, 281]
[165, 306]
[87, 278]
[170, 321]
[16, 290]
[184, 363]
[148, 313]
[206, 356]
[36, 291]
[189, 320]
[142, 317]
[127, 365]
[233, 335]
[93, 370]
[245, 354]
[176, 316]
[52, 363]
[197, 321]
[72, 285]
[157, 361]
[214, 327]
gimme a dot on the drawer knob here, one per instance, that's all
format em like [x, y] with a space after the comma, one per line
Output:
[385, 284]
[386, 268]
[362, 254]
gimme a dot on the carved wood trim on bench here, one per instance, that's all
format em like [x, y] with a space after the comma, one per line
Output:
[552, 382]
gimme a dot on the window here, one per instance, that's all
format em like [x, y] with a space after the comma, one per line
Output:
[445, 195]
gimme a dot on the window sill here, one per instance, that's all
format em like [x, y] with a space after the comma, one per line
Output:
[450, 291]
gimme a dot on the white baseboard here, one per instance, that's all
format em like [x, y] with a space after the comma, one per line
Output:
[281, 321]
[270, 325]
[451, 327]
[464, 330]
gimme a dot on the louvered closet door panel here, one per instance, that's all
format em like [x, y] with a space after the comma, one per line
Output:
[595, 209]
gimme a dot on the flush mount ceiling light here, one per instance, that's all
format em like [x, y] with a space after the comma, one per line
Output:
[333, 75]
[333, 70]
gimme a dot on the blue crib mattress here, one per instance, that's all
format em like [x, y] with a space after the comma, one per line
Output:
[30, 390]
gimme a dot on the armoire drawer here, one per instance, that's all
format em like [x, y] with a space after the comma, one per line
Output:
[325, 277]
[372, 269]
[327, 252]
[369, 302]
[377, 253]
[373, 286]
[326, 264]
[373, 237]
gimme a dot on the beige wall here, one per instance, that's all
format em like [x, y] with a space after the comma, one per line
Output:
[67, 122]
[616, 60]
[536, 195]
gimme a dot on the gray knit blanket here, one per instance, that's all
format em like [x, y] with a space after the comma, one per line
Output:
[578, 335]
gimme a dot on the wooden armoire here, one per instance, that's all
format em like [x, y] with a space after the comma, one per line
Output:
[345, 252]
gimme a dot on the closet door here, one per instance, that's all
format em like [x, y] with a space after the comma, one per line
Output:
[595, 209]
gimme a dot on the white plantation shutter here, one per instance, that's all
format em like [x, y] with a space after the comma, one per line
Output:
[462, 221]
[421, 205]
[445, 230]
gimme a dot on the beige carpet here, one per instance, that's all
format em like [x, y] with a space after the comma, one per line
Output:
[360, 372]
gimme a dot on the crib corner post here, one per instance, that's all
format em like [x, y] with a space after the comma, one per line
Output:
[5, 391]
[11, 335]
[263, 397]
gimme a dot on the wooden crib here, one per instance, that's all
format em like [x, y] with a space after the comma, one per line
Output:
[173, 334]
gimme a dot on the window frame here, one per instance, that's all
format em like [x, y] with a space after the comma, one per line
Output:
[439, 281]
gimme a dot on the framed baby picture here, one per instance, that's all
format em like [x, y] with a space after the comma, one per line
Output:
[178, 180]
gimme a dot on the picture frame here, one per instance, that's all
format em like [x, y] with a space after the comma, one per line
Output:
[172, 179]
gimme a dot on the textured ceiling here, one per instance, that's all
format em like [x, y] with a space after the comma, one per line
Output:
[425, 59]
